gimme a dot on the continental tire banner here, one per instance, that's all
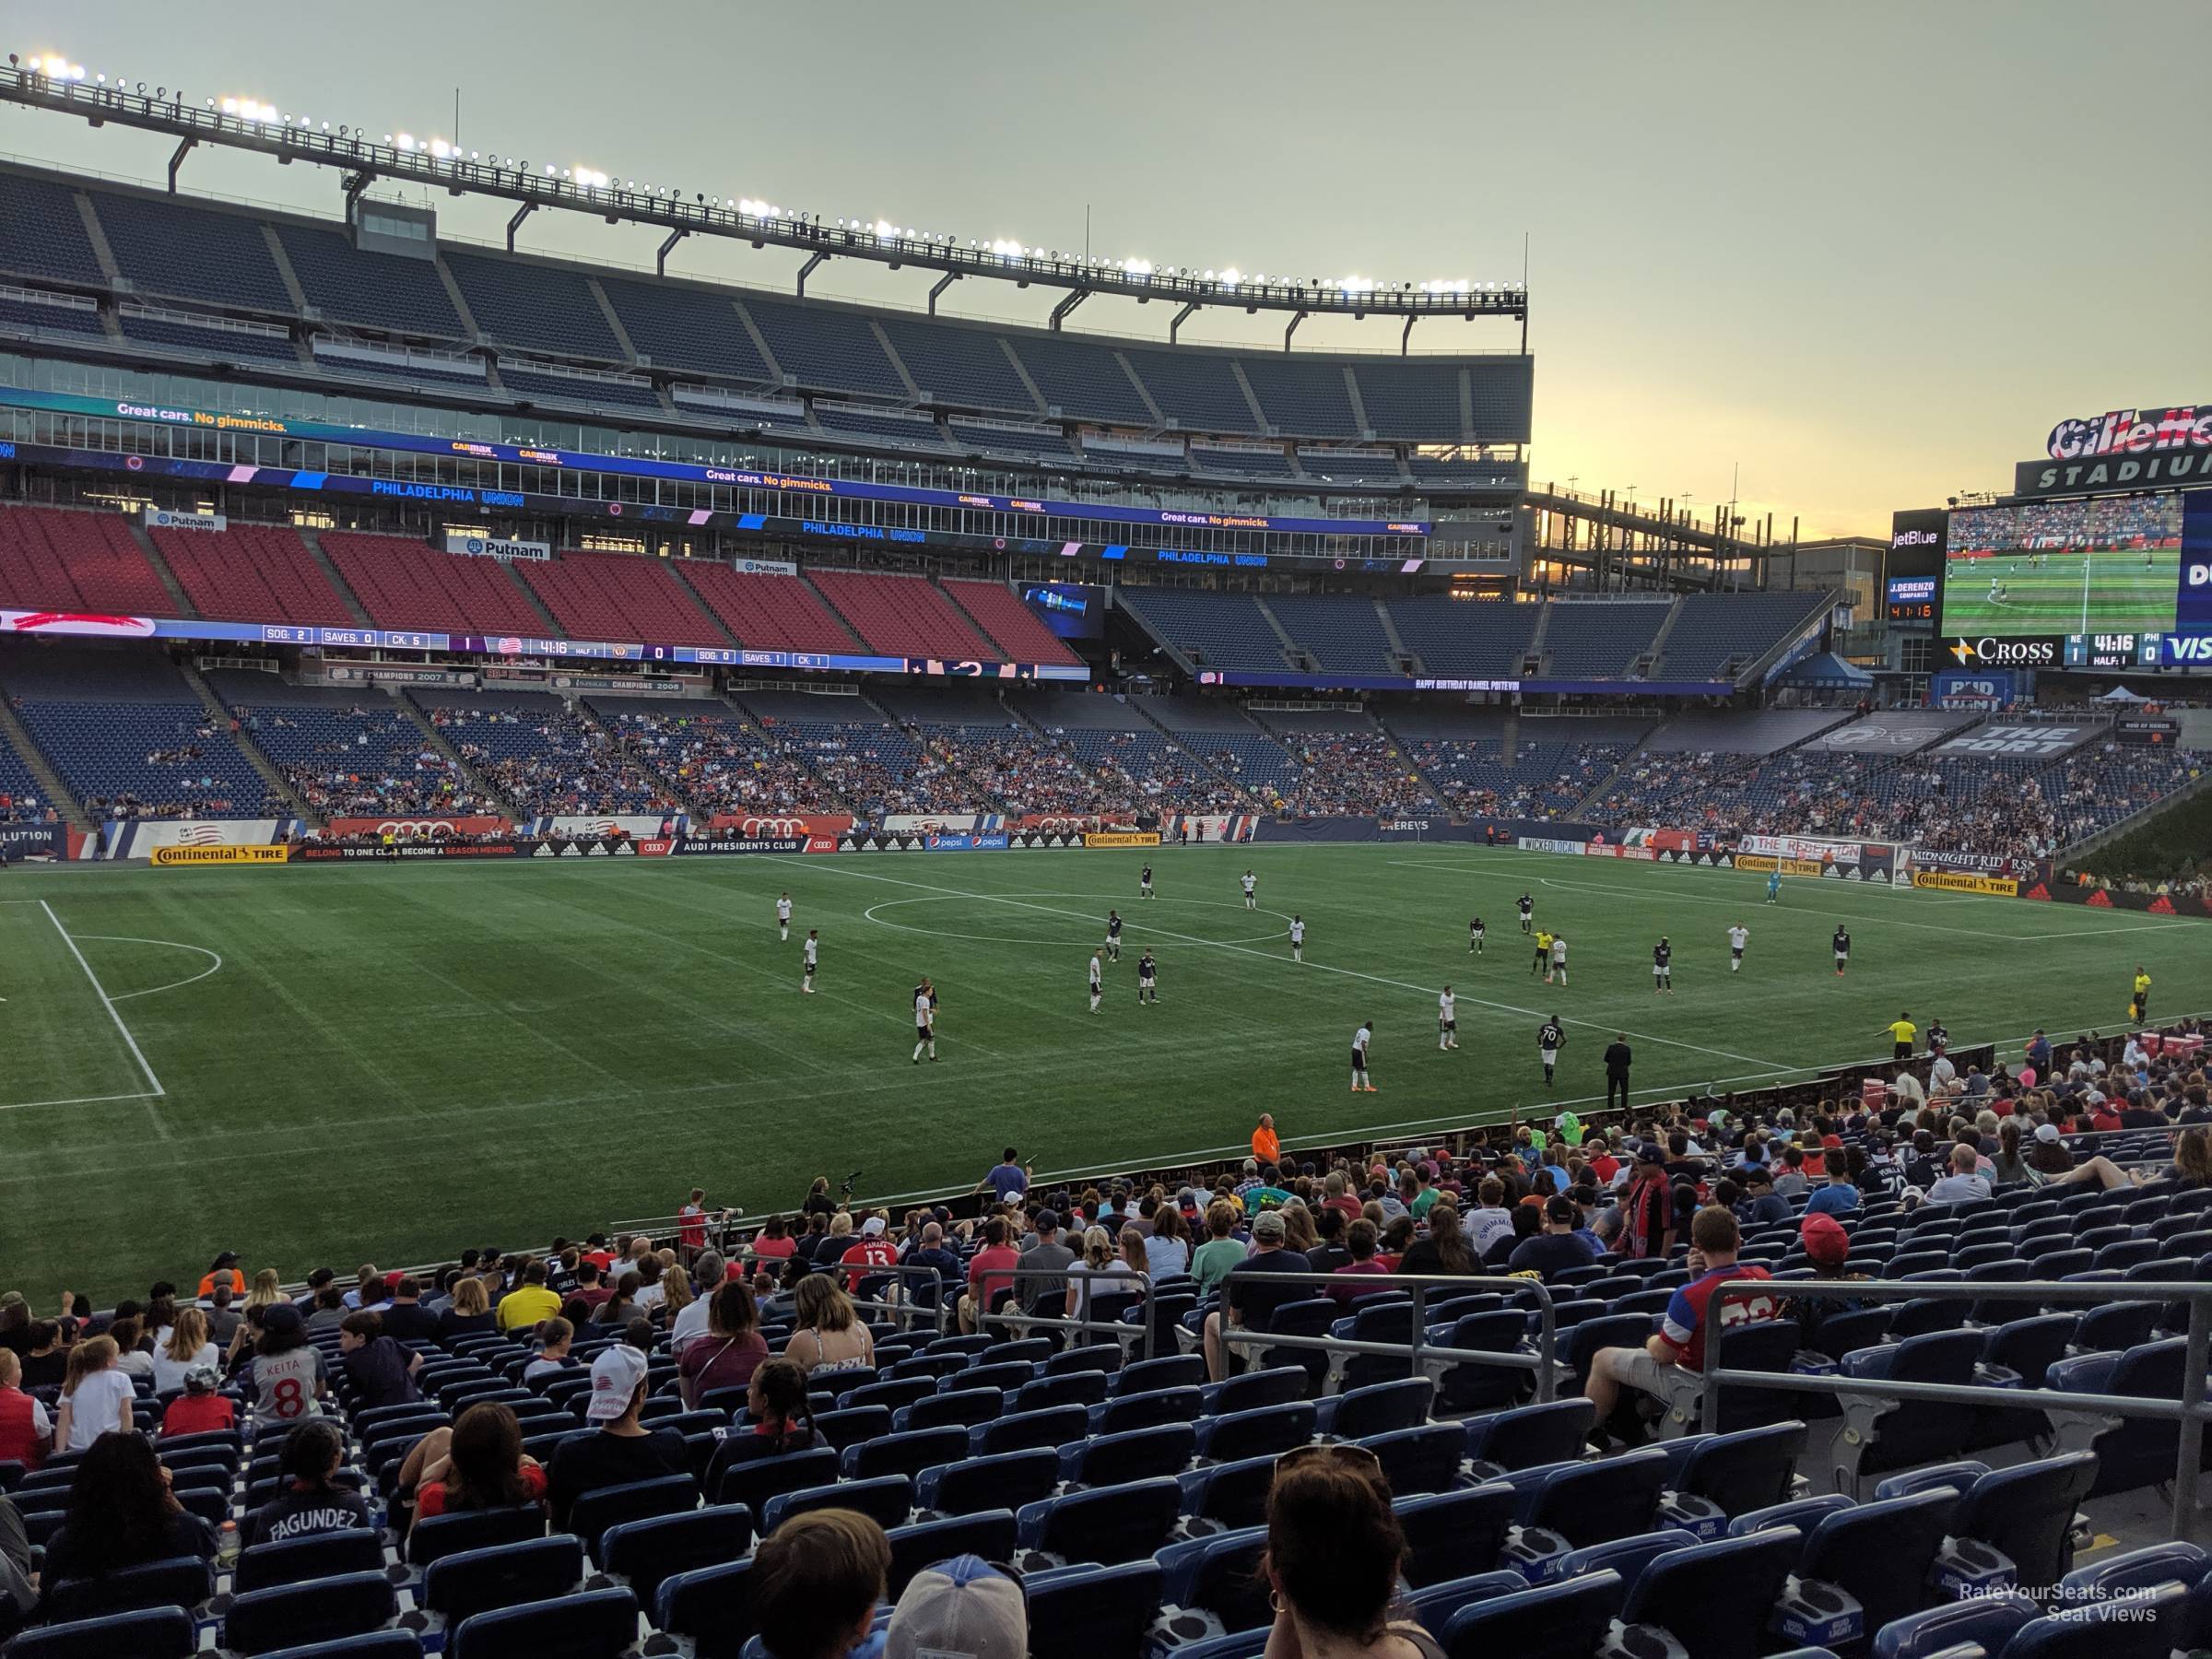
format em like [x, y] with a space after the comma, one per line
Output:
[419, 827]
[1878, 866]
[221, 855]
[1123, 838]
[1952, 881]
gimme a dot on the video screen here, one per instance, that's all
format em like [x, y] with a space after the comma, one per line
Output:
[2111, 565]
[1070, 609]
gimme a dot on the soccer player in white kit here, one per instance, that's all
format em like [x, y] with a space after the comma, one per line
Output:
[1447, 1020]
[1738, 936]
[1360, 1039]
[813, 950]
[1098, 981]
[925, 1020]
[1297, 939]
[783, 917]
[1252, 890]
[1558, 959]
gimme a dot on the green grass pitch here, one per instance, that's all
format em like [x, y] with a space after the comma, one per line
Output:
[323, 1066]
[2113, 591]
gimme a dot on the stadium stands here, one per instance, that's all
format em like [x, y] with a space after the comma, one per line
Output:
[1346, 766]
[952, 366]
[541, 383]
[619, 597]
[1553, 764]
[1196, 391]
[55, 560]
[1214, 630]
[525, 303]
[403, 584]
[41, 233]
[375, 291]
[542, 754]
[1478, 641]
[346, 752]
[681, 326]
[1009, 623]
[769, 611]
[1601, 639]
[1339, 634]
[250, 573]
[33, 309]
[22, 800]
[902, 616]
[825, 347]
[715, 758]
[210, 336]
[128, 738]
[190, 252]
[1717, 636]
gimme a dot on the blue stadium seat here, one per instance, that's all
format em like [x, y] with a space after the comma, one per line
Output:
[645, 1554]
[591, 1624]
[473, 1529]
[710, 1607]
[150, 1634]
[1431, 1607]
[2026, 1513]
[1531, 1436]
[469, 1581]
[969, 1407]
[1002, 1480]
[1594, 1503]
[1231, 1494]
[1983, 1622]
[1894, 1434]
[905, 1453]
[351, 1604]
[993, 1535]
[1426, 1459]
[1375, 1409]
[1181, 1402]
[2139, 1626]
[850, 1427]
[1213, 1585]
[1877, 1558]
[1139, 1454]
[887, 1501]
[596, 1511]
[1456, 1532]
[1053, 1426]
[1105, 1523]
[1733, 1473]
[182, 1582]
[1627, 1556]
[1149, 1376]
[753, 1484]
[1713, 1598]
[321, 1555]
[1565, 1620]
[1089, 1609]
[2173, 1562]
[377, 1644]
[1235, 1435]
[2130, 1454]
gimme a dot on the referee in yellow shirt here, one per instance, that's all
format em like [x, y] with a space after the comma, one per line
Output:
[1901, 1031]
[1543, 951]
[2140, 1010]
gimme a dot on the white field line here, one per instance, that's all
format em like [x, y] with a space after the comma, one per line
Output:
[173, 944]
[153, 1083]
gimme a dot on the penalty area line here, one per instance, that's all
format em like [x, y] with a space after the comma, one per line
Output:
[154, 1088]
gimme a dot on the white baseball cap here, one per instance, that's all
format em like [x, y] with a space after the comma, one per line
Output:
[871, 1227]
[616, 1375]
[964, 1608]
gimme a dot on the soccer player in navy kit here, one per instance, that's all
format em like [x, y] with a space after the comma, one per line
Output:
[1550, 1038]
[1475, 936]
[1144, 882]
[1113, 935]
[1843, 948]
[1663, 968]
[1528, 909]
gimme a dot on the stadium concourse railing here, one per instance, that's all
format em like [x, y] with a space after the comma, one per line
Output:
[1863, 1396]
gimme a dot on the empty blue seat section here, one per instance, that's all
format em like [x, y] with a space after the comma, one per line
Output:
[162, 758]
[685, 327]
[42, 234]
[210, 337]
[822, 346]
[1304, 398]
[899, 429]
[1456, 638]
[1242, 462]
[590, 390]
[1467, 475]
[1499, 395]
[381, 290]
[1411, 399]
[1341, 631]
[957, 365]
[1351, 466]
[1196, 390]
[1714, 631]
[195, 253]
[1601, 638]
[529, 304]
[63, 319]
[1082, 378]
[1043, 443]
[1217, 631]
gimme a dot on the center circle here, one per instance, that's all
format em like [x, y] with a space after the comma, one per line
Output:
[1045, 916]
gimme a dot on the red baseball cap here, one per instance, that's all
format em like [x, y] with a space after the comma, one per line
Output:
[1825, 1240]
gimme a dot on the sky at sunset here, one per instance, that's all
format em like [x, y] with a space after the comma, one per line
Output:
[1870, 252]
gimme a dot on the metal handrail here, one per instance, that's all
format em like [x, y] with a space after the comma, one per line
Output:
[2190, 1410]
[1140, 1282]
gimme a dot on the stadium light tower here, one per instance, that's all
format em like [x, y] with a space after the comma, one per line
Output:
[258, 126]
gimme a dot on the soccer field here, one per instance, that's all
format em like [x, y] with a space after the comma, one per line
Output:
[323, 1066]
[2113, 591]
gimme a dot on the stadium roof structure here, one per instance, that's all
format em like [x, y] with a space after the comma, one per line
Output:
[246, 124]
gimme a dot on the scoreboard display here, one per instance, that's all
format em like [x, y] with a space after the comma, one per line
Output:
[1912, 598]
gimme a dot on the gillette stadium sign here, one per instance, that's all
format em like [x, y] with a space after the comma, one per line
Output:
[2123, 449]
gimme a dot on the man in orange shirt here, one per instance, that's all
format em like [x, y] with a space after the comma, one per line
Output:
[1265, 1147]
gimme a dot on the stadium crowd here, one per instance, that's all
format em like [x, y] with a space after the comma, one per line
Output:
[549, 762]
[719, 761]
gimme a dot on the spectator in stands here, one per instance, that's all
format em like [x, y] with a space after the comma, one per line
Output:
[188, 1348]
[2191, 1166]
[133, 1358]
[621, 1308]
[1560, 1247]
[929, 1252]
[1009, 1178]
[1446, 1249]
[470, 1313]
[26, 1431]
[1334, 1549]
[988, 1273]
[554, 1338]
[329, 1310]
[1680, 1338]
[816, 1581]
[1167, 1249]
[222, 1317]
[1839, 1195]
[406, 1320]
[309, 1502]
[1252, 1301]
[775, 1244]
[18, 1597]
[623, 1450]
[223, 1272]
[829, 1336]
[286, 1375]
[122, 1514]
[96, 1395]
[964, 1606]
[532, 1301]
[1045, 1252]
[46, 1360]
[731, 1351]
[676, 1294]
[1761, 1204]
[1965, 1183]
[776, 1400]
[199, 1409]
[1357, 1274]
[479, 1464]
[1827, 1246]
[381, 1372]
[1647, 1209]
